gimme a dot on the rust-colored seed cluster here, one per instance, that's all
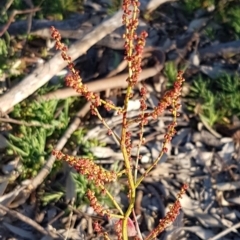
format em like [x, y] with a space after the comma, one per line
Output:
[170, 98]
[98, 208]
[118, 229]
[74, 80]
[170, 216]
[128, 142]
[143, 93]
[99, 229]
[134, 44]
[88, 168]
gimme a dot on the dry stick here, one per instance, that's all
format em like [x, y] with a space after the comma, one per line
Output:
[25, 219]
[222, 49]
[49, 164]
[30, 16]
[67, 27]
[226, 231]
[24, 123]
[102, 84]
[44, 73]
[137, 226]
[14, 13]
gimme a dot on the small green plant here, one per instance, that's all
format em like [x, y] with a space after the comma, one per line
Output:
[82, 186]
[30, 146]
[115, 5]
[215, 99]
[192, 5]
[59, 9]
[228, 14]
[210, 32]
[125, 227]
[7, 57]
[56, 10]
[39, 122]
[3, 56]
[170, 72]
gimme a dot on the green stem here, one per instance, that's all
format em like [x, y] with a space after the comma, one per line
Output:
[114, 201]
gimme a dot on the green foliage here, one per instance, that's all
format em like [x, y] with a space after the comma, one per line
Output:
[85, 145]
[58, 9]
[29, 142]
[115, 6]
[229, 14]
[82, 185]
[42, 111]
[234, 19]
[192, 5]
[3, 48]
[35, 150]
[170, 72]
[6, 55]
[210, 32]
[52, 196]
[3, 55]
[215, 100]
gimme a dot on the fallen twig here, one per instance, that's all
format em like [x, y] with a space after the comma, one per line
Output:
[14, 13]
[24, 123]
[27, 220]
[226, 231]
[222, 49]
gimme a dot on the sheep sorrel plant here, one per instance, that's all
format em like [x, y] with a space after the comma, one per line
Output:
[126, 226]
